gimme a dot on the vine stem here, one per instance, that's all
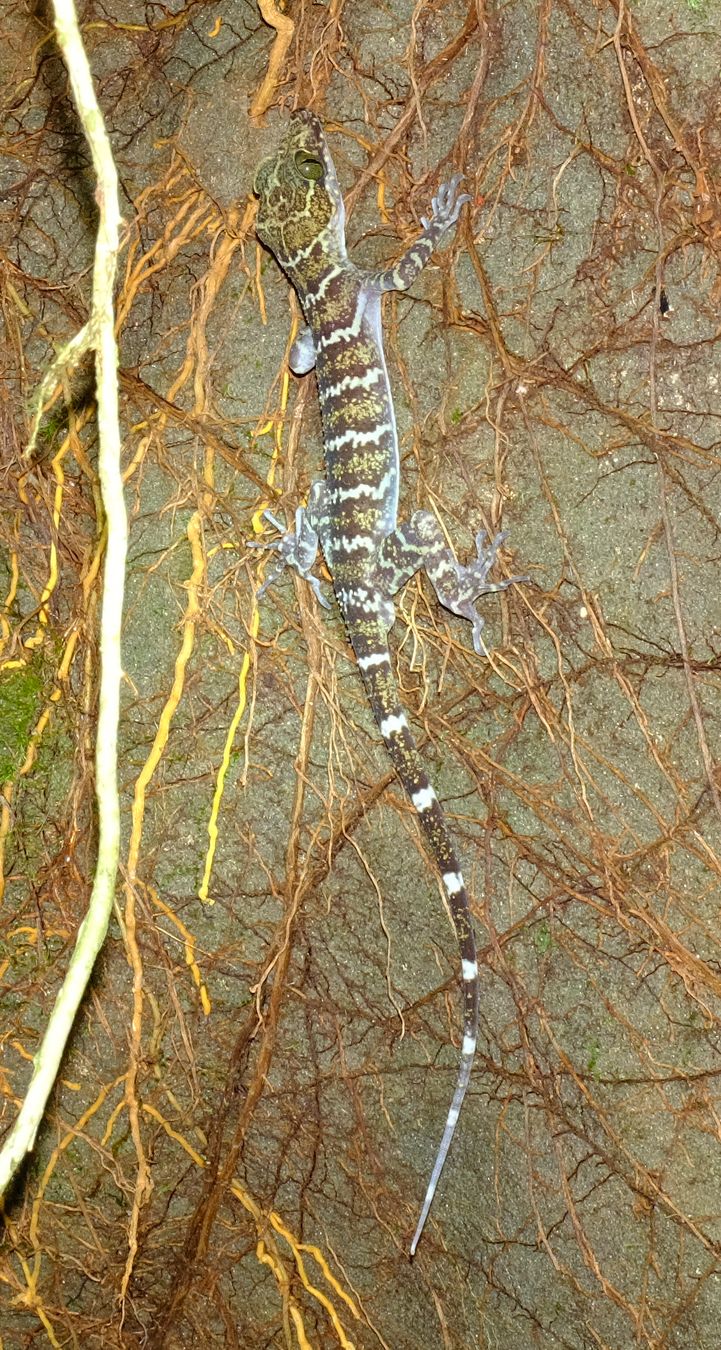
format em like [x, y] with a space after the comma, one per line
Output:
[99, 334]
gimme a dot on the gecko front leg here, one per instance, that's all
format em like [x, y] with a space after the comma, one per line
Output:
[421, 544]
[445, 208]
[298, 548]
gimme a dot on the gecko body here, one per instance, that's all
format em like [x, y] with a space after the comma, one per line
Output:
[353, 513]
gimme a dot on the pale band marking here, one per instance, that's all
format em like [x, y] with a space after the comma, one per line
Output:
[369, 602]
[469, 1045]
[373, 659]
[424, 798]
[354, 541]
[301, 255]
[392, 724]
[352, 382]
[358, 595]
[353, 437]
[470, 970]
[453, 882]
[344, 334]
[377, 491]
[325, 283]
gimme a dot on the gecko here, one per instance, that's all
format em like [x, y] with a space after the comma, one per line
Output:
[353, 513]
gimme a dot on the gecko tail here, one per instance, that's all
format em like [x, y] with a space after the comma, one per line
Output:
[375, 666]
[459, 906]
[454, 1110]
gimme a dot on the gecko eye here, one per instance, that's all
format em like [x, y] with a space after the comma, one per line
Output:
[308, 166]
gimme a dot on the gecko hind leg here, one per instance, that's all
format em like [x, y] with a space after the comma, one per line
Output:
[420, 543]
[301, 358]
[298, 548]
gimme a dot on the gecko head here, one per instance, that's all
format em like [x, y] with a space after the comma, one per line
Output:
[300, 209]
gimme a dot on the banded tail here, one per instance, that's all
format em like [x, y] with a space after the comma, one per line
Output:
[369, 644]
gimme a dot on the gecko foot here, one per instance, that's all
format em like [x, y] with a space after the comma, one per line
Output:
[446, 205]
[297, 548]
[472, 582]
